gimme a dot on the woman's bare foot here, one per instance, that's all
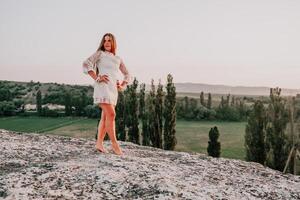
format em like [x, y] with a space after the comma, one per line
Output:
[100, 148]
[116, 148]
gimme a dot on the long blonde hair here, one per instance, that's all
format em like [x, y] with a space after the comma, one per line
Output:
[113, 45]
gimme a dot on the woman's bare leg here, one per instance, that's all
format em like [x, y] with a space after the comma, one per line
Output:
[110, 126]
[101, 133]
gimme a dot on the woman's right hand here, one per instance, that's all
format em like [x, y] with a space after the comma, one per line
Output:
[103, 78]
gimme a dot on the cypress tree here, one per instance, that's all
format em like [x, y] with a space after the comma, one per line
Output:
[241, 108]
[143, 116]
[151, 113]
[39, 102]
[186, 104]
[202, 99]
[209, 101]
[232, 104]
[293, 138]
[276, 125]
[120, 117]
[170, 140]
[256, 134]
[133, 123]
[228, 100]
[222, 103]
[214, 147]
[158, 116]
[127, 119]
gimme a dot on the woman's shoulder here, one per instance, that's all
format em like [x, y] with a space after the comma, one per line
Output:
[101, 52]
[97, 54]
[118, 57]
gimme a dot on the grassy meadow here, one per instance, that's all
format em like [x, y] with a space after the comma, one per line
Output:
[191, 136]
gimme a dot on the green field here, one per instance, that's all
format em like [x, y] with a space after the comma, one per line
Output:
[37, 124]
[191, 136]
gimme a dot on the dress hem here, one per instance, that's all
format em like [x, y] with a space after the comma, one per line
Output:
[103, 100]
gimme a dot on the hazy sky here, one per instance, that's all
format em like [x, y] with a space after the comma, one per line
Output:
[234, 42]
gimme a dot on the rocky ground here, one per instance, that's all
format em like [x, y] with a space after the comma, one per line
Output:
[34, 166]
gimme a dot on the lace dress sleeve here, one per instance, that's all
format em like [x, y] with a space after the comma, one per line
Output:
[123, 69]
[90, 63]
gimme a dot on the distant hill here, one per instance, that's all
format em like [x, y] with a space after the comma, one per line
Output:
[225, 89]
[180, 88]
[27, 90]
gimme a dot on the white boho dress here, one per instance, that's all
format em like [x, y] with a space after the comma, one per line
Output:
[110, 65]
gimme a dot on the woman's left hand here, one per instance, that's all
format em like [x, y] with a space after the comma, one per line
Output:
[120, 87]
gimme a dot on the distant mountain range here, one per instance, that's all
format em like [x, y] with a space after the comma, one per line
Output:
[225, 89]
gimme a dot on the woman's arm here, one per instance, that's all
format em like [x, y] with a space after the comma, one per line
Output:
[125, 72]
[89, 65]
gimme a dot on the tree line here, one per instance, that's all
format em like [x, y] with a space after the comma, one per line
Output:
[230, 108]
[78, 103]
[156, 111]
[267, 138]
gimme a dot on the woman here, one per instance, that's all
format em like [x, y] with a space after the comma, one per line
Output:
[107, 66]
